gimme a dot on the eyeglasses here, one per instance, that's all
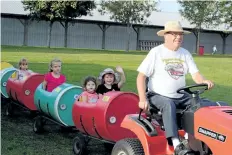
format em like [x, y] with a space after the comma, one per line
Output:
[175, 34]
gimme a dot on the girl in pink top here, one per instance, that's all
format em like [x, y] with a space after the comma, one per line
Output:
[89, 95]
[54, 78]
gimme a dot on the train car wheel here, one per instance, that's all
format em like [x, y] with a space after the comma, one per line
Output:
[38, 125]
[79, 145]
[129, 146]
[9, 110]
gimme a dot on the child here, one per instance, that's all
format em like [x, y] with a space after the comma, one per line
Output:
[23, 69]
[89, 95]
[109, 80]
[54, 78]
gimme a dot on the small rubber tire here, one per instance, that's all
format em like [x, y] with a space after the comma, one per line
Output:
[128, 146]
[38, 125]
[9, 111]
[79, 145]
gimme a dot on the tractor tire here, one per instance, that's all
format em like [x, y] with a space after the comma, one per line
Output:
[79, 145]
[187, 152]
[128, 146]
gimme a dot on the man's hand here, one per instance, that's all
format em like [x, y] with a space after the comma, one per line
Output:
[143, 105]
[209, 83]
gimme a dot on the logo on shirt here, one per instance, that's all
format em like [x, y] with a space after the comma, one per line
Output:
[174, 68]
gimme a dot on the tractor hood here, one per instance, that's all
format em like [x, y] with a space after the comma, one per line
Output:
[213, 126]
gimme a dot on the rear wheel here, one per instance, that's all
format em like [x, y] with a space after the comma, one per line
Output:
[129, 146]
[79, 145]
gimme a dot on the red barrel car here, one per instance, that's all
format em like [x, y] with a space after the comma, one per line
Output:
[103, 119]
[22, 91]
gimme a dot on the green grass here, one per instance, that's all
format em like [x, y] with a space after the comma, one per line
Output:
[17, 135]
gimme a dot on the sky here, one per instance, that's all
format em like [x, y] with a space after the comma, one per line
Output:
[15, 6]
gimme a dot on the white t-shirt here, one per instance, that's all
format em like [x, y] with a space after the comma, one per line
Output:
[22, 74]
[214, 48]
[166, 70]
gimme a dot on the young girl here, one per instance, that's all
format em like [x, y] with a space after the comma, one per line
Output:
[89, 95]
[109, 80]
[23, 69]
[54, 78]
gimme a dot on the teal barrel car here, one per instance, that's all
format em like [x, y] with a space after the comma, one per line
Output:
[58, 104]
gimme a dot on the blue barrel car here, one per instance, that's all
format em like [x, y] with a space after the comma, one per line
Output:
[56, 105]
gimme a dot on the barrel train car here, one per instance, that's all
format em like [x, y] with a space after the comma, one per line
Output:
[101, 120]
[55, 106]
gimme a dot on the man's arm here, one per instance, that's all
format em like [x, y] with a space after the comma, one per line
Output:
[142, 91]
[199, 79]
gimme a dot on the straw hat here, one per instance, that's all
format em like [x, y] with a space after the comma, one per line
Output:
[172, 26]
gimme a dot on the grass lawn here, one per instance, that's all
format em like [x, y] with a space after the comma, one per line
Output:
[17, 135]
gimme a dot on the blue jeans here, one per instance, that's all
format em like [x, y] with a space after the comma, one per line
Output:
[168, 108]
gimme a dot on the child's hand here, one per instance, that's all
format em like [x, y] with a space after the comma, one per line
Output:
[119, 69]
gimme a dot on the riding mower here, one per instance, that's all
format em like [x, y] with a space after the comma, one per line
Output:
[209, 129]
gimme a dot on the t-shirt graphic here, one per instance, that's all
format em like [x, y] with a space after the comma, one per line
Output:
[174, 67]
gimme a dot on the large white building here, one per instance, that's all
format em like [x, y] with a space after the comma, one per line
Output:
[99, 32]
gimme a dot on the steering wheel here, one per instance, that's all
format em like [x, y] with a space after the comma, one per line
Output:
[183, 90]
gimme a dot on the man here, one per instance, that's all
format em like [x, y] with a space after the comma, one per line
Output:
[166, 66]
[214, 49]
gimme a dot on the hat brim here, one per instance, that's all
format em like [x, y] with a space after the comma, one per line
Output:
[162, 32]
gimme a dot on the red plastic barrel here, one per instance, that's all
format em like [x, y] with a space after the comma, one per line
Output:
[103, 119]
[23, 90]
[201, 50]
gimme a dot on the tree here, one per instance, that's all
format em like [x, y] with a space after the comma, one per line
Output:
[225, 12]
[224, 19]
[199, 13]
[57, 11]
[128, 12]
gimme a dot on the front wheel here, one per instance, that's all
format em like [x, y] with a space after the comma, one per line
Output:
[129, 146]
